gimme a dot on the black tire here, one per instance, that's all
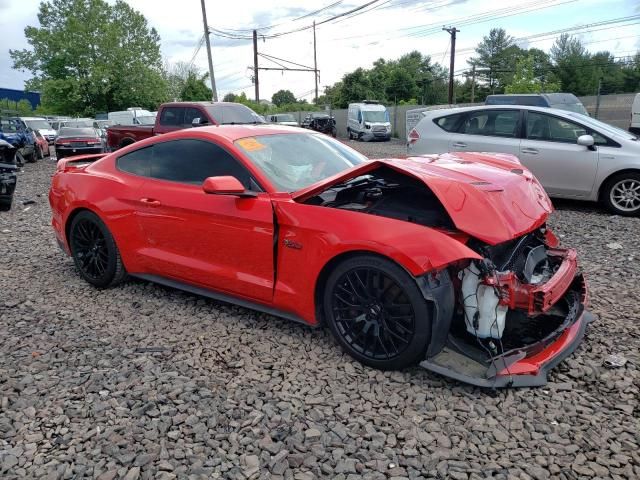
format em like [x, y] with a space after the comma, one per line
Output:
[621, 194]
[94, 251]
[377, 313]
[19, 159]
[59, 155]
[32, 157]
[39, 154]
[5, 204]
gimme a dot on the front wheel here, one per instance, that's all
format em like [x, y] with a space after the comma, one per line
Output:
[94, 251]
[621, 194]
[377, 312]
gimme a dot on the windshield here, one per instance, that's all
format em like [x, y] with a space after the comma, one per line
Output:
[286, 118]
[233, 114]
[8, 126]
[77, 123]
[146, 120]
[571, 107]
[294, 161]
[38, 124]
[76, 132]
[603, 127]
[375, 116]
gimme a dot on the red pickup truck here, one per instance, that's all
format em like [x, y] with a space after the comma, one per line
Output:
[180, 115]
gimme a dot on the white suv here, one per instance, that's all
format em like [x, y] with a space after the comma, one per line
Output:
[572, 155]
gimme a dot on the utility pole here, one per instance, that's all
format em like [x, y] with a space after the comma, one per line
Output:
[452, 31]
[315, 60]
[255, 65]
[473, 83]
[598, 98]
[206, 39]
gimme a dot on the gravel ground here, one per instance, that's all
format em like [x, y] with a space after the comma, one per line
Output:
[141, 381]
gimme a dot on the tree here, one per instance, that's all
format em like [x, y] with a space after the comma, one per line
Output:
[90, 56]
[525, 79]
[496, 58]
[195, 89]
[176, 76]
[229, 97]
[573, 66]
[283, 97]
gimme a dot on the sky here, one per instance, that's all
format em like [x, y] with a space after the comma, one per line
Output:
[385, 29]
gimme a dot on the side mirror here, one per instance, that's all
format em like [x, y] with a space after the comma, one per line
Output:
[586, 141]
[196, 122]
[225, 185]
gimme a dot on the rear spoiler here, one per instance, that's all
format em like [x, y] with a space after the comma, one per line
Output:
[78, 162]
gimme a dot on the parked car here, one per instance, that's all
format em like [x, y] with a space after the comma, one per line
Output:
[179, 115]
[320, 122]
[14, 132]
[132, 116]
[395, 263]
[561, 101]
[282, 119]
[77, 141]
[634, 127]
[42, 145]
[368, 121]
[8, 176]
[76, 123]
[573, 156]
[41, 124]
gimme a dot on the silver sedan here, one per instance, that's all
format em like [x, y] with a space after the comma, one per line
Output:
[573, 156]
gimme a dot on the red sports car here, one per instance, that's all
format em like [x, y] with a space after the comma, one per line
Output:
[441, 260]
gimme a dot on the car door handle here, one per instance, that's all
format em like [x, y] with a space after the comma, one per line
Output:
[530, 151]
[460, 144]
[152, 202]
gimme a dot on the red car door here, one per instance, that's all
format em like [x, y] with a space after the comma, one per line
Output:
[221, 242]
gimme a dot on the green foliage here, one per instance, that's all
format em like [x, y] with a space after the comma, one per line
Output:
[229, 97]
[194, 88]
[283, 97]
[410, 77]
[91, 56]
[527, 80]
[22, 107]
[495, 60]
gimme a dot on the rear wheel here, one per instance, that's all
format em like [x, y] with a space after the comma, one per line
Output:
[621, 194]
[94, 251]
[377, 312]
[39, 154]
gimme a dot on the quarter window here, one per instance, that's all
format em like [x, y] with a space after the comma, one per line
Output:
[192, 161]
[137, 162]
[449, 123]
[552, 129]
[498, 123]
[172, 116]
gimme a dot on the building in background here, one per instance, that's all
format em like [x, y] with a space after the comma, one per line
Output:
[16, 95]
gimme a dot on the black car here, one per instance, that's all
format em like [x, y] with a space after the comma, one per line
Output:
[78, 141]
[8, 176]
[320, 122]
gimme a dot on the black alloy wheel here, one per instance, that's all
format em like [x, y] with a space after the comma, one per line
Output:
[94, 251]
[377, 312]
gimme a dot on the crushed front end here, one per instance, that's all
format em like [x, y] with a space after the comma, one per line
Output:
[517, 313]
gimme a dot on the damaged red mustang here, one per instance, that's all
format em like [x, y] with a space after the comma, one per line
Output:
[445, 261]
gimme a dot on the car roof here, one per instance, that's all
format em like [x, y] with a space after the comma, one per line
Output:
[201, 103]
[32, 118]
[448, 111]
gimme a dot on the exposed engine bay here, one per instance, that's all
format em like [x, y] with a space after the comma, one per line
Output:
[387, 193]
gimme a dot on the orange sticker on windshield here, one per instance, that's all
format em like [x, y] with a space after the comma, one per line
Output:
[250, 144]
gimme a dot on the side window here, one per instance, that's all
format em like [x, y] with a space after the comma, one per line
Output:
[498, 123]
[450, 122]
[190, 113]
[552, 129]
[359, 116]
[192, 161]
[172, 116]
[137, 162]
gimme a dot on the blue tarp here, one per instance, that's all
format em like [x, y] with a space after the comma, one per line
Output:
[17, 95]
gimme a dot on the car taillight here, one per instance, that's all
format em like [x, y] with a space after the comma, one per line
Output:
[414, 136]
[63, 143]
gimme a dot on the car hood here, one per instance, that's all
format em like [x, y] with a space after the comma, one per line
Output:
[491, 197]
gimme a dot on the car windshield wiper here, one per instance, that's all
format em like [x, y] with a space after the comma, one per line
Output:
[242, 123]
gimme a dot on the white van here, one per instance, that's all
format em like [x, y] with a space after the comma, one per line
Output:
[132, 116]
[368, 121]
[635, 115]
